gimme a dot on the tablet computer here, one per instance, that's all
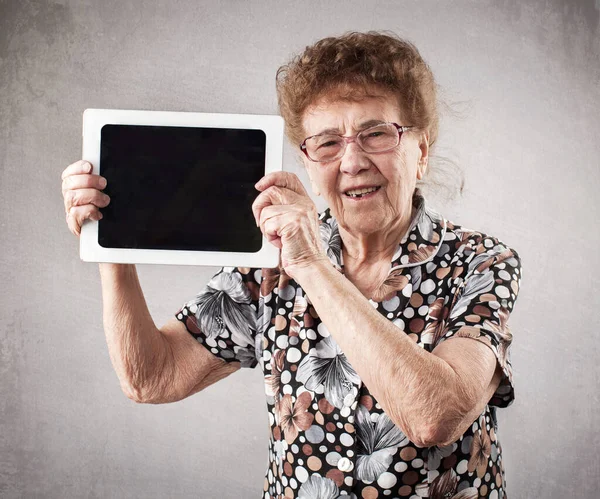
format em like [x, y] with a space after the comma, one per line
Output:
[181, 186]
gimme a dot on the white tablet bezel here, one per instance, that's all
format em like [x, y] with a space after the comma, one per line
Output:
[95, 119]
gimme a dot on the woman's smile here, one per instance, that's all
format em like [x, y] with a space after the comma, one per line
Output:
[362, 194]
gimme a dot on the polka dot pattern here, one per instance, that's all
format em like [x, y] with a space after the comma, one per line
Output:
[330, 438]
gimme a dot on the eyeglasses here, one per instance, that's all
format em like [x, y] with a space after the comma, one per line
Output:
[325, 147]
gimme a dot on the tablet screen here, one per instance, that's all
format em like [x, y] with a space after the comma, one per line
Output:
[181, 188]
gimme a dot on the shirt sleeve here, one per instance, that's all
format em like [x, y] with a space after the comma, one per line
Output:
[483, 301]
[223, 316]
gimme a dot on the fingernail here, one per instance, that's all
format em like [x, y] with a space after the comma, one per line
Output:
[102, 182]
[87, 168]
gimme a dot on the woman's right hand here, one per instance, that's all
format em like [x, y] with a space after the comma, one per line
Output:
[82, 195]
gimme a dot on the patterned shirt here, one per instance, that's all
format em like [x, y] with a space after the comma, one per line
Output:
[330, 437]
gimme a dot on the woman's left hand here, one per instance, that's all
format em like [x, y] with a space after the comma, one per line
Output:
[289, 220]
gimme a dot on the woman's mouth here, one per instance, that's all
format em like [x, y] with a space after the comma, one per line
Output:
[364, 193]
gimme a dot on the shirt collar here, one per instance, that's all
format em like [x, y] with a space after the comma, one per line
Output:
[419, 245]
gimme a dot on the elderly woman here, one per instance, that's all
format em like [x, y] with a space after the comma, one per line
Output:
[366, 396]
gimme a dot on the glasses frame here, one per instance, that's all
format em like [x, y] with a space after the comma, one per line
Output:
[353, 138]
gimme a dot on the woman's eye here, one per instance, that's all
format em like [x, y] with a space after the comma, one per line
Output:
[329, 143]
[375, 134]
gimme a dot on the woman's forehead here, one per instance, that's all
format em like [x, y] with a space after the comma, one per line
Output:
[342, 114]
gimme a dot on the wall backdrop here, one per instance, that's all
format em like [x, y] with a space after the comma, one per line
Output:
[521, 83]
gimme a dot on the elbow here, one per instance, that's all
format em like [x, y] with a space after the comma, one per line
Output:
[432, 437]
[441, 432]
[137, 400]
[144, 390]
[437, 421]
[438, 431]
[138, 395]
[448, 425]
[133, 394]
[421, 431]
[420, 434]
[143, 399]
[426, 436]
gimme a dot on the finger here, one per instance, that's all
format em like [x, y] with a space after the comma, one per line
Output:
[277, 220]
[272, 227]
[83, 181]
[276, 195]
[78, 214]
[80, 197]
[270, 233]
[279, 225]
[277, 210]
[287, 180]
[275, 241]
[80, 166]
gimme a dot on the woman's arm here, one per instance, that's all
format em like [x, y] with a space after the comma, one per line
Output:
[153, 366]
[137, 349]
[432, 397]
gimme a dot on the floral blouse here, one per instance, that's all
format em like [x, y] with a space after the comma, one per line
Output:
[329, 436]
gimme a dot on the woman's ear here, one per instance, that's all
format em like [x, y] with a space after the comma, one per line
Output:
[423, 155]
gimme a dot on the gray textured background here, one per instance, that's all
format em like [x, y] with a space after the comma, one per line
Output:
[524, 82]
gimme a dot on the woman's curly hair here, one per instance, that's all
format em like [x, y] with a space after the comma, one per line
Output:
[356, 65]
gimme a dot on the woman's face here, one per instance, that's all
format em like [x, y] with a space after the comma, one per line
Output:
[394, 172]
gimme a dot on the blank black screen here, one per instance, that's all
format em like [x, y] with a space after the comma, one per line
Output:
[180, 188]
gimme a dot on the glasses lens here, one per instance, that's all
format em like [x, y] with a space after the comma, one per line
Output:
[324, 147]
[379, 138]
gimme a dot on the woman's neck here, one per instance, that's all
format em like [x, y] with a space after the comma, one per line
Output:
[370, 249]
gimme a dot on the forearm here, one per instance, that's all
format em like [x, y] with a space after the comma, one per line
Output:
[138, 351]
[415, 388]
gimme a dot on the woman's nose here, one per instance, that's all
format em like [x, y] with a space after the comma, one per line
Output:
[354, 159]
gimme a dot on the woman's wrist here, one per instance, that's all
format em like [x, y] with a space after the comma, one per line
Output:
[313, 270]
